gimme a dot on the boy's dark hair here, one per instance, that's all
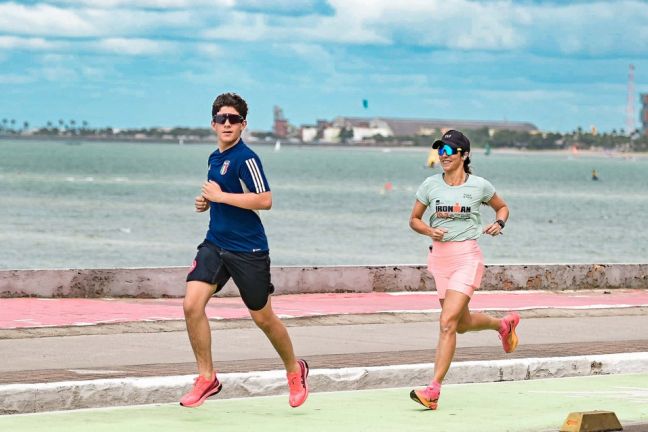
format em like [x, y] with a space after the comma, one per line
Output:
[230, 99]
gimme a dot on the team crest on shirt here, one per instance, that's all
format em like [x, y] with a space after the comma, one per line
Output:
[226, 165]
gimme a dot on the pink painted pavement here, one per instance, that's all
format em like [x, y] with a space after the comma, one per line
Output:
[36, 312]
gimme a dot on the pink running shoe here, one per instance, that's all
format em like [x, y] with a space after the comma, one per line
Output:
[428, 397]
[298, 385]
[507, 332]
[202, 389]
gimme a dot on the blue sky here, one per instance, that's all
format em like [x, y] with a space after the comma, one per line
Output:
[132, 63]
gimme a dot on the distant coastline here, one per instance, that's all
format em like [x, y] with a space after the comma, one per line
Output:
[76, 140]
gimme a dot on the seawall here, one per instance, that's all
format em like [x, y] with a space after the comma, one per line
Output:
[170, 281]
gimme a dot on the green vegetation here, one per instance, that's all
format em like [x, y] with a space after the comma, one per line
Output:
[535, 140]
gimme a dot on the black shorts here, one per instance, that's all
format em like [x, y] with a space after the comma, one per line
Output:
[250, 271]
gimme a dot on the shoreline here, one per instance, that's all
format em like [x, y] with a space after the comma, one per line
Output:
[601, 153]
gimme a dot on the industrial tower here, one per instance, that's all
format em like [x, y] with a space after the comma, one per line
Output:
[630, 108]
[644, 113]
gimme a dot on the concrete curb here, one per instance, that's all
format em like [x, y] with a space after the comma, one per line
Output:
[30, 398]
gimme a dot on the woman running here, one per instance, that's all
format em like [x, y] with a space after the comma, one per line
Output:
[455, 260]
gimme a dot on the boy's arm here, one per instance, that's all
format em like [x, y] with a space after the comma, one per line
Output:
[201, 204]
[249, 200]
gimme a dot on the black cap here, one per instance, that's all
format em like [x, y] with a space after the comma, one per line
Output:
[455, 139]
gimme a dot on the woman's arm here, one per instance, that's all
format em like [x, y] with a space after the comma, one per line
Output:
[501, 214]
[417, 224]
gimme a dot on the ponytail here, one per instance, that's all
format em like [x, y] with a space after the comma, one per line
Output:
[466, 166]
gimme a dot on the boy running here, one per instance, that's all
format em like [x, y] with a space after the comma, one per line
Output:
[235, 246]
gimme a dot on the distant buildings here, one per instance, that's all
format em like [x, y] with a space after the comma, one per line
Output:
[359, 129]
[644, 113]
[280, 124]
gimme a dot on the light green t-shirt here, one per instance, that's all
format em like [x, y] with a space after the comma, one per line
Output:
[456, 208]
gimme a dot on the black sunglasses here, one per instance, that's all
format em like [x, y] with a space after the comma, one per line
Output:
[233, 118]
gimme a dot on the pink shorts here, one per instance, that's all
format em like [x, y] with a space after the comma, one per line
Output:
[458, 266]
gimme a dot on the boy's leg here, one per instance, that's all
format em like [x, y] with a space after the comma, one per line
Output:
[297, 370]
[196, 298]
[276, 332]
[207, 383]
[251, 273]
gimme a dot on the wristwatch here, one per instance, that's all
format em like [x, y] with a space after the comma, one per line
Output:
[501, 223]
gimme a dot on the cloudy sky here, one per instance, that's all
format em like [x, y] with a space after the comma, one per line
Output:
[131, 63]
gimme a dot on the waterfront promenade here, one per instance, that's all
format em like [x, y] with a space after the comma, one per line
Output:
[69, 353]
[82, 341]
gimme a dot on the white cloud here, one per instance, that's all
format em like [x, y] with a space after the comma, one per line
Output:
[40, 19]
[501, 25]
[15, 79]
[313, 54]
[126, 46]
[258, 27]
[47, 20]
[556, 28]
[36, 44]
[122, 46]
[157, 4]
[210, 50]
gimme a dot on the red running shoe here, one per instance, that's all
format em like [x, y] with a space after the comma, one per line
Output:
[507, 332]
[298, 385]
[202, 389]
[428, 397]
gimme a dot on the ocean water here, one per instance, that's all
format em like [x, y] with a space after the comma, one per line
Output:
[98, 205]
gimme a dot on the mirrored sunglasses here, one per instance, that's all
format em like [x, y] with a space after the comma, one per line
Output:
[448, 150]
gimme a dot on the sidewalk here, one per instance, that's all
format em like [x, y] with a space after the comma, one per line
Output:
[20, 313]
[347, 339]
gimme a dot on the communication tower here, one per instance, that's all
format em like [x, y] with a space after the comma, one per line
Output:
[630, 108]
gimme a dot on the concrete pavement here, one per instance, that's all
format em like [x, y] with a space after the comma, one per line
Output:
[112, 351]
[339, 333]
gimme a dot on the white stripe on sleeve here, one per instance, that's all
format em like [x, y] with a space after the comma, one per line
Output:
[258, 171]
[255, 179]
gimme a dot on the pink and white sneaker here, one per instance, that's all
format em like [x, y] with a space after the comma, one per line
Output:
[507, 332]
[202, 389]
[428, 397]
[298, 385]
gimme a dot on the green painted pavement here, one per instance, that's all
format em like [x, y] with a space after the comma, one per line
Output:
[537, 405]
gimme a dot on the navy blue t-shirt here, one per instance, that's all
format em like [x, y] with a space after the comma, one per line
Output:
[237, 170]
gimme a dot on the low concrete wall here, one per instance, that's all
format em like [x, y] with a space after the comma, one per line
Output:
[170, 281]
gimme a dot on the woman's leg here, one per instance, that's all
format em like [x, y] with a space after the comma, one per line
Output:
[477, 321]
[452, 309]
